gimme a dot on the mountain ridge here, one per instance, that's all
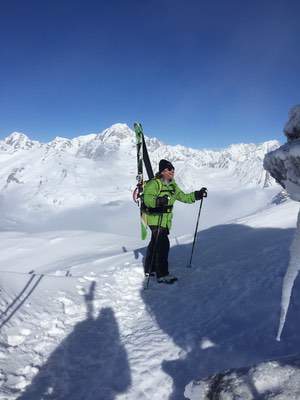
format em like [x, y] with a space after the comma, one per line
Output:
[121, 131]
[101, 168]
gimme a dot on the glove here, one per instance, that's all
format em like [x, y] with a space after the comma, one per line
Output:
[162, 201]
[200, 194]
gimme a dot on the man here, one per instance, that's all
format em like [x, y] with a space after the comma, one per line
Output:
[159, 196]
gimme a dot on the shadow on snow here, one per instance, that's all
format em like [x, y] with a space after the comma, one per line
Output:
[90, 363]
[20, 299]
[224, 312]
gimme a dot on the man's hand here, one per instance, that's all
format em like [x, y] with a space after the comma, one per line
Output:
[162, 201]
[200, 194]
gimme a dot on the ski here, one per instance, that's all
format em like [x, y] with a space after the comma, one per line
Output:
[140, 178]
[146, 159]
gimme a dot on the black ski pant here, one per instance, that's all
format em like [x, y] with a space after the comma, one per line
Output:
[158, 252]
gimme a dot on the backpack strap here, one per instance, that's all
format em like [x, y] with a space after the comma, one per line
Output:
[160, 185]
[158, 181]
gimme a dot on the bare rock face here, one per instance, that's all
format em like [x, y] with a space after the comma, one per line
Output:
[292, 127]
[283, 164]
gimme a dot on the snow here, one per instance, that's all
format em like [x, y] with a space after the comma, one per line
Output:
[206, 343]
[75, 321]
[92, 324]
[15, 340]
[270, 380]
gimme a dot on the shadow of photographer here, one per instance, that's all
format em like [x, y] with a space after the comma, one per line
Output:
[90, 363]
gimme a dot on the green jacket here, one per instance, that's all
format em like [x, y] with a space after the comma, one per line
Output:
[157, 188]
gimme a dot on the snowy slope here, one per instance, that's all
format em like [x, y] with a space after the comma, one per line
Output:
[272, 370]
[86, 329]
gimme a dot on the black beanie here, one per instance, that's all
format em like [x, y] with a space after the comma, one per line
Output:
[163, 164]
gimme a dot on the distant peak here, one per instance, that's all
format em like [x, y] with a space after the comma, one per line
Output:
[18, 140]
[16, 136]
[271, 144]
[60, 139]
[119, 126]
[116, 132]
[245, 147]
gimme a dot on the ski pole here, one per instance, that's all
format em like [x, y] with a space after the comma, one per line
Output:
[154, 250]
[195, 234]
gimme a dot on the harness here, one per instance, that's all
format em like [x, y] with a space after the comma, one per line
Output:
[157, 210]
[162, 209]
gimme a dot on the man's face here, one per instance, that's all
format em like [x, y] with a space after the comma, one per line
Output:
[168, 174]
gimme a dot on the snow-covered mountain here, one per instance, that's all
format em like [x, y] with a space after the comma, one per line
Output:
[80, 176]
[70, 172]
[120, 138]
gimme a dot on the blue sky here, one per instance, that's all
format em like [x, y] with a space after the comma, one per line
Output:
[199, 73]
